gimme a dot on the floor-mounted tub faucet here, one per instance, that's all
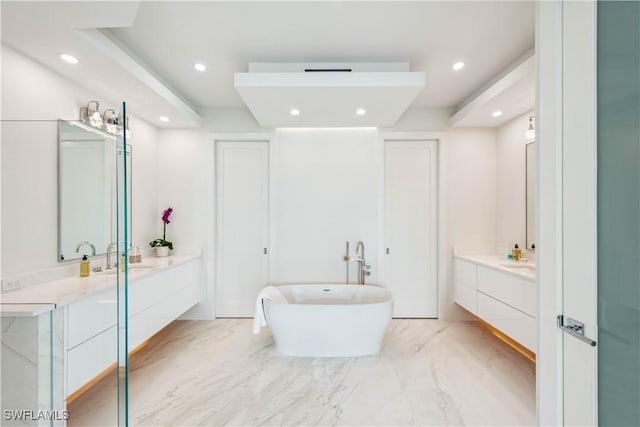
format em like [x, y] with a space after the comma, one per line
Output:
[364, 269]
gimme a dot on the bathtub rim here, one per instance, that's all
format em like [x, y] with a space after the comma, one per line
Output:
[294, 304]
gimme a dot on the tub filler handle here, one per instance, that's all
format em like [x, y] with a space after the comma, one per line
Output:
[346, 258]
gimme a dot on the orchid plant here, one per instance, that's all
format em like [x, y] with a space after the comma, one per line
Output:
[163, 241]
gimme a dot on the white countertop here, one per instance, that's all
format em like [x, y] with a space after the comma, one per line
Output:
[37, 299]
[501, 263]
[24, 310]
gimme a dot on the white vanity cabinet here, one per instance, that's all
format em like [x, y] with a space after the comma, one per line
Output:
[155, 300]
[465, 290]
[91, 335]
[505, 300]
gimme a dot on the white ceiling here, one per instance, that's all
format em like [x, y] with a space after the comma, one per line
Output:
[165, 39]
[513, 93]
[328, 99]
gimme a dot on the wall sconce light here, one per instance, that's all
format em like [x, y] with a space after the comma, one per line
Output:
[531, 132]
[123, 123]
[108, 121]
[90, 114]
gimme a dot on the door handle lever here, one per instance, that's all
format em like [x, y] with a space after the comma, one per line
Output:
[574, 328]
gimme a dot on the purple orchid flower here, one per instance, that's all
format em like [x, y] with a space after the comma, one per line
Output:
[165, 215]
[163, 242]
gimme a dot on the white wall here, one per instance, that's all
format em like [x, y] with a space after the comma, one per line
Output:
[471, 198]
[311, 169]
[29, 162]
[186, 183]
[471, 187]
[229, 120]
[326, 192]
[511, 182]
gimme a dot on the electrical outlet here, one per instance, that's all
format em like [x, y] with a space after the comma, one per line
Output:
[10, 285]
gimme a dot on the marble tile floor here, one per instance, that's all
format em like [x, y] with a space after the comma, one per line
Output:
[216, 373]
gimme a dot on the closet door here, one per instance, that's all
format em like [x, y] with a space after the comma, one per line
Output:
[411, 227]
[242, 176]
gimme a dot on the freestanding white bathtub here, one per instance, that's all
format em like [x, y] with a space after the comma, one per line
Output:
[330, 320]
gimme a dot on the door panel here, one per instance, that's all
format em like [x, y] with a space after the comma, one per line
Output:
[242, 232]
[410, 227]
[579, 209]
[618, 213]
[601, 211]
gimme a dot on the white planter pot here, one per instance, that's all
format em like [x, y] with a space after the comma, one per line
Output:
[162, 251]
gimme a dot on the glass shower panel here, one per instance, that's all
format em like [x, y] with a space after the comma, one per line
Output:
[618, 116]
[63, 359]
[123, 207]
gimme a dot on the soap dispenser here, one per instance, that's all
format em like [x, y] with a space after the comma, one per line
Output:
[84, 266]
[516, 253]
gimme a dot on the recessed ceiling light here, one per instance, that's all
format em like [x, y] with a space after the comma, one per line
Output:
[458, 66]
[68, 58]
[497, 113]
[200, 67]
[294, 112]
[164, 119]
[361, 111]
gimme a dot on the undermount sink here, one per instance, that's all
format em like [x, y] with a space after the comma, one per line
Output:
[140, 266]
[131, 267]
[519, 265]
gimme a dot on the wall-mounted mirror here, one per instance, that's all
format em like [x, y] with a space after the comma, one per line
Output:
[531, 194]
[89, 164]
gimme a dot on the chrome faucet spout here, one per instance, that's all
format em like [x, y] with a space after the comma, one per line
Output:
[113, 246]
[360, 249]
[81, 244]
[363, 267]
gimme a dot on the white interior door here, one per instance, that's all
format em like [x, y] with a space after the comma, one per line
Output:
[579, 211]
[601, 212]
[242, 176]
[410, 232]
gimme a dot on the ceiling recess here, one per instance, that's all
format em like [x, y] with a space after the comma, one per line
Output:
[330, 95]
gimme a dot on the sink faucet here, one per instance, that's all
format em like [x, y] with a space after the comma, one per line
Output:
[113, 246]
[93, 248]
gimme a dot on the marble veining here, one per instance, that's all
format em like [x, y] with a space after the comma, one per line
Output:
[31, 348]
[216, 373]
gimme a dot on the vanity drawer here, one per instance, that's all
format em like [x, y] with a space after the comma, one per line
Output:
[464, 273]
[151, 290]
[143, 325]
[516, 292]
[90, 358]
[514, 323]
[90, 316]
